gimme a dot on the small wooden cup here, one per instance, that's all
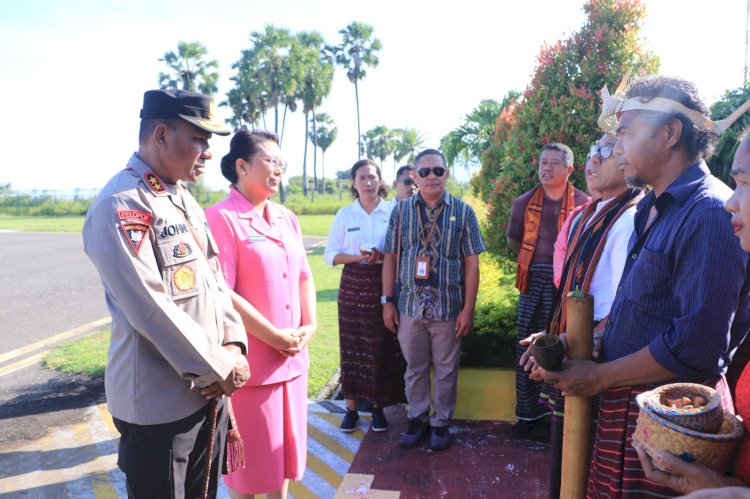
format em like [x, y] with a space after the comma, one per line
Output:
[548, 352]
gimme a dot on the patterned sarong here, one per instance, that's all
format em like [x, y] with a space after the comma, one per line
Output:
[372, 366]
[533, 315]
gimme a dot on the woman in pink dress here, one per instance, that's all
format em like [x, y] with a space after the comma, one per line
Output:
[264, 262]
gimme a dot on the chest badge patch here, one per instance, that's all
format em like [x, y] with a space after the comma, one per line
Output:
[135, 225]
[154, 183]
[181, 250]
[184, 278]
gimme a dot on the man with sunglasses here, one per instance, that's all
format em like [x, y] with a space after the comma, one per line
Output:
[535, 220]
[404, 184]
[595, 258]
[439, 272]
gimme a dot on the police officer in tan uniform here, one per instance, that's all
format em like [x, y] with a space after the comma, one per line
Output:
[177, 345]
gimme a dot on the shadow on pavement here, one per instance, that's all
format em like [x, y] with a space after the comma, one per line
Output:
[22, 462]
[59, 393]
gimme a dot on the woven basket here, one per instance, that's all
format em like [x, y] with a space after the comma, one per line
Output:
[705, 419]
[714, 450]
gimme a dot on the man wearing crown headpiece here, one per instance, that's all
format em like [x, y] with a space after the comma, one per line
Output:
[682, 306]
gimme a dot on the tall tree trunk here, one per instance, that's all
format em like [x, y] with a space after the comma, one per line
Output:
[304, 160]
[322, 171]
[283, 125]
[282, 188]
[315, 153]
[359, 132]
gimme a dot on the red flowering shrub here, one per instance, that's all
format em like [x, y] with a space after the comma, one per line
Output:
[560, 104]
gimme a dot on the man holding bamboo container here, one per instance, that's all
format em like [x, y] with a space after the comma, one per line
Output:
[681, 307]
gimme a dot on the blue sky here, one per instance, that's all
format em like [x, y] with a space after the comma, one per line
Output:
[73, 73]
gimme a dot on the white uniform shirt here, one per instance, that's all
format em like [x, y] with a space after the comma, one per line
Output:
[608, 271]
[353, 227]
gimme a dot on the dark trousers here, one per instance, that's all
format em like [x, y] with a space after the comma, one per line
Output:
[169, 460]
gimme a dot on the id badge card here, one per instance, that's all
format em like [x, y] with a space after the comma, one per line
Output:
[422, 270]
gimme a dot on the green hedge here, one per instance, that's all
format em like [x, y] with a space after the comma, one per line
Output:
[491, 343]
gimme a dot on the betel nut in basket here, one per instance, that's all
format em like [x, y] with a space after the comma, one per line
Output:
[689, 405]
[713, 450]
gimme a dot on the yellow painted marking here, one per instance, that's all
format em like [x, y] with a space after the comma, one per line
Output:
[107, 417]
[28, 361]
[330, 444]
[486, 394]
[323, 470]
[299, 491]
[102, 486]
[52, 340]
[336, 421]
[45, 478]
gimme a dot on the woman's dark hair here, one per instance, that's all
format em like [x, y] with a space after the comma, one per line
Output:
[243, 145]
[696, 140]
[382, 189]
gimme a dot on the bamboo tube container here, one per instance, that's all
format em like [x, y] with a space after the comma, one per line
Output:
[577, 420]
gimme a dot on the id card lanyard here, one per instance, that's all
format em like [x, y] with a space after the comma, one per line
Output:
[422, 269]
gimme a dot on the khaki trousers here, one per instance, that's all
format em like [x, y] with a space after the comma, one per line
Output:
[426, 343]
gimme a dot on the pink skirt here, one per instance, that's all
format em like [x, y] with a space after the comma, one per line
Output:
[272, 420]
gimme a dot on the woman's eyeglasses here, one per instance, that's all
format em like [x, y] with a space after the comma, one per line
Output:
[276, 162]
[603, 151]
[439, 171]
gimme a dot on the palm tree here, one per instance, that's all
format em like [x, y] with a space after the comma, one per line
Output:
[324, 134]
[379, 143]
[188, 70]
[268, 76]
[408, 141]
[317, 67]
[357, 51]
[467, 142]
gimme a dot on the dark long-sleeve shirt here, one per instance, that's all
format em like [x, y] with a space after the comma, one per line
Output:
[684, 292]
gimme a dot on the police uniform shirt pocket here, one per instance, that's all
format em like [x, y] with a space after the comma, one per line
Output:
[180, 267]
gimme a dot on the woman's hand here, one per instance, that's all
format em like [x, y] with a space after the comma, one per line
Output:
[303, 334]
[371, 257]
[669, 470]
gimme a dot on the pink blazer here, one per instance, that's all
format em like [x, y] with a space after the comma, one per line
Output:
[264, 263]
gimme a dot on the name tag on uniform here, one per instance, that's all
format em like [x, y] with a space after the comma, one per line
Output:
[258, 238]
[353, 229]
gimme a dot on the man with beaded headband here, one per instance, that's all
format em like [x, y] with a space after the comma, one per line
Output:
[683, 303]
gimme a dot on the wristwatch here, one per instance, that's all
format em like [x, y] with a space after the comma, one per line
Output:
[386, 299]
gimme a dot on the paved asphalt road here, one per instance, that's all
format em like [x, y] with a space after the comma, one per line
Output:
[49, 287]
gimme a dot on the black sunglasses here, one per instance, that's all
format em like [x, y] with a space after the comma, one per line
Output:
[603, 151]
[439, 171]
[407, 181]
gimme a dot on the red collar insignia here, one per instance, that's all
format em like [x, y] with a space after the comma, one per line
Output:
[154, 183]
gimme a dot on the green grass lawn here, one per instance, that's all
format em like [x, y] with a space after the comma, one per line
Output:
[41, 224]
[312, 225]
[89, 355]
[315, 225]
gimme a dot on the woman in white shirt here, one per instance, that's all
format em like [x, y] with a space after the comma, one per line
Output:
[372, 366]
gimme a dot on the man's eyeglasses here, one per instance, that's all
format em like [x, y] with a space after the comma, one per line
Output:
[408, 182]
[439, 171]
[276, 162]
[603, 151]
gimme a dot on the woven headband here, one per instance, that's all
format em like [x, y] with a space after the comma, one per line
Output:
[614, 104]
